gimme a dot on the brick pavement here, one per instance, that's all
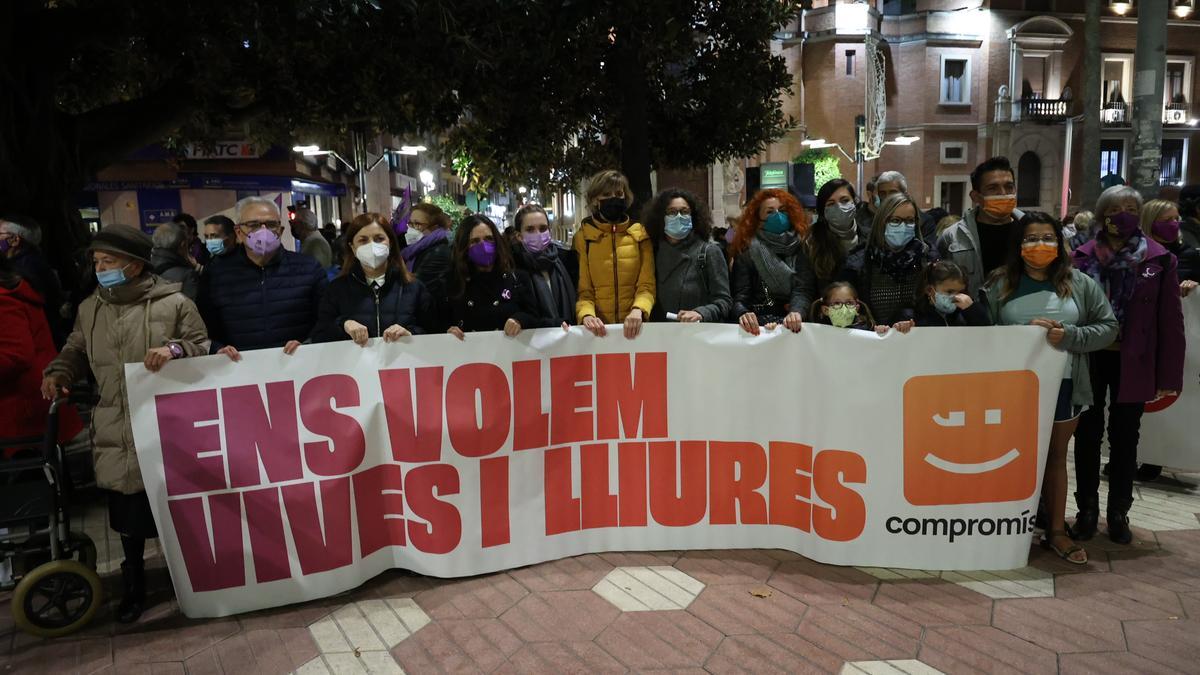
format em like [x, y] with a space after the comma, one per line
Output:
[1132, 609]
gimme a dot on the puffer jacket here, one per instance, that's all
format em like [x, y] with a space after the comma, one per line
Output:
[616, 271]
[116, 326]
[252, 307]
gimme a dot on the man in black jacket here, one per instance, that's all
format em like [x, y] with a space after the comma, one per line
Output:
[261, 296]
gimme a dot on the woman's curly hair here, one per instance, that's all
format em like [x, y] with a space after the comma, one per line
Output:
[748, 224]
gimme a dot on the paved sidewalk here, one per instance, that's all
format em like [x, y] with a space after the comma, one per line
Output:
[1132, 609]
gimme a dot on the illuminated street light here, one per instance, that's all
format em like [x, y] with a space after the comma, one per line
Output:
[1183, 8]
[903, 140]
[1120, 7]
[306, 149]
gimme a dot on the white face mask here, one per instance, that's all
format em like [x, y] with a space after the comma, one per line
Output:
[412, 235]
[372, 255]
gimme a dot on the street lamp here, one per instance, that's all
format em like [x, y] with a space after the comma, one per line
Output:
[316, 151]
[1183, 8]
[903, 140]
[1120, 7]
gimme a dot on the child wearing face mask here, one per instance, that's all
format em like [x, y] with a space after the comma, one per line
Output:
[943, 299]
[840, 307]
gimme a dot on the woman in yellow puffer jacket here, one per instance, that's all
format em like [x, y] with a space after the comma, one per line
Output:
[616, 260]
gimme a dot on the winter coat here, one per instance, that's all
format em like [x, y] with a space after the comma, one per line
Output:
[174, 268]
[1152, 340]
[616, 271]
[1097, 328]
[490, 299]
[692, 275]
[750, 293]
[26, 348]
[116, 326]
[30, 263]
[252, 307]
[959, 244]
[351, 298]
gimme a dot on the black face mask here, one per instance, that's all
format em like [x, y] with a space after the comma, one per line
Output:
[612, 210]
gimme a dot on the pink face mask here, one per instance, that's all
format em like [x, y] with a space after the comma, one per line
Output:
[536, 242]
[263, 241]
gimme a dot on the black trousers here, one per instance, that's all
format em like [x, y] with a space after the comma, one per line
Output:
[1124, 426]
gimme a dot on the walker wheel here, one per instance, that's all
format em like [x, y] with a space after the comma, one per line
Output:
[57, 598]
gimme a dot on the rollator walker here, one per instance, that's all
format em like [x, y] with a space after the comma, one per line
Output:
[58, 591]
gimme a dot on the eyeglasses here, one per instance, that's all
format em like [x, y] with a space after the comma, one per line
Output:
[1044, 239]
[255, 225]
[838, 305]
[679, 212]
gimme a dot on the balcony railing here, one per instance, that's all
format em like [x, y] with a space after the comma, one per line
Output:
[1048, 110]
[1176, 113]
[1115, 114]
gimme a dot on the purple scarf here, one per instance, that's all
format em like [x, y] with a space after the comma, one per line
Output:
[430, 239]
[1116, 271]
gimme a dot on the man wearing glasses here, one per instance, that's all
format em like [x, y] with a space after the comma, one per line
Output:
[262, 296]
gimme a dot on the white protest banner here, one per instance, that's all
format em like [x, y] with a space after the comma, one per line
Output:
[1170, 426]
[280, 479]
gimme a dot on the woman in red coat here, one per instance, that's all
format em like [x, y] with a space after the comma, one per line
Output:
[26, 348]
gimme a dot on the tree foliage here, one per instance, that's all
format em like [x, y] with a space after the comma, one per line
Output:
[530, 92]
[825, 165]
[584, 85]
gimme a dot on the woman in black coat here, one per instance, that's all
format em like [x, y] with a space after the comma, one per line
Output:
[375, 295]
[427, 256]
[543, 263]
[486, 291]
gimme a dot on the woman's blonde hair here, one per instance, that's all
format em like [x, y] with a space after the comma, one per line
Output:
[609, 180]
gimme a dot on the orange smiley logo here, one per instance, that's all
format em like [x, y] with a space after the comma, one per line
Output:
[970, 439]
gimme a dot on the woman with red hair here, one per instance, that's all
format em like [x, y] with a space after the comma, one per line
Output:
[772, 277]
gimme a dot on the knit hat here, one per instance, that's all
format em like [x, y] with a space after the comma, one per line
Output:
[123, 240]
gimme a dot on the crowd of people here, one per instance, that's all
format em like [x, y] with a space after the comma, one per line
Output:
[1105, 288]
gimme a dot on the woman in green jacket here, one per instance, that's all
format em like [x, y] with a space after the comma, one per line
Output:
[1039, 286]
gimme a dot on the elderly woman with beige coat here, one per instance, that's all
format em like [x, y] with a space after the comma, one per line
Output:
[132, 317]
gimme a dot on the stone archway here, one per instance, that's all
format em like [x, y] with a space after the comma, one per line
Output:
[1046, 144]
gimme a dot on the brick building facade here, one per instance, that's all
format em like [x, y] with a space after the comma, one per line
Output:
[976, 78]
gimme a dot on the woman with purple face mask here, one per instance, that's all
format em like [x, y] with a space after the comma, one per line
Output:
[1139, 276]
[485, 293]
[541, 265]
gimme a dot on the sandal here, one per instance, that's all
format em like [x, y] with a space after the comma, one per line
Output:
[1065, 554]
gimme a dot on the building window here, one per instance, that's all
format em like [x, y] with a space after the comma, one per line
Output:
[850, 55]
[954, 153]
[1029, 180]
[1175, 92]
[955, 81]
[952, 193]
[1171, 165]
[1112, 157]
